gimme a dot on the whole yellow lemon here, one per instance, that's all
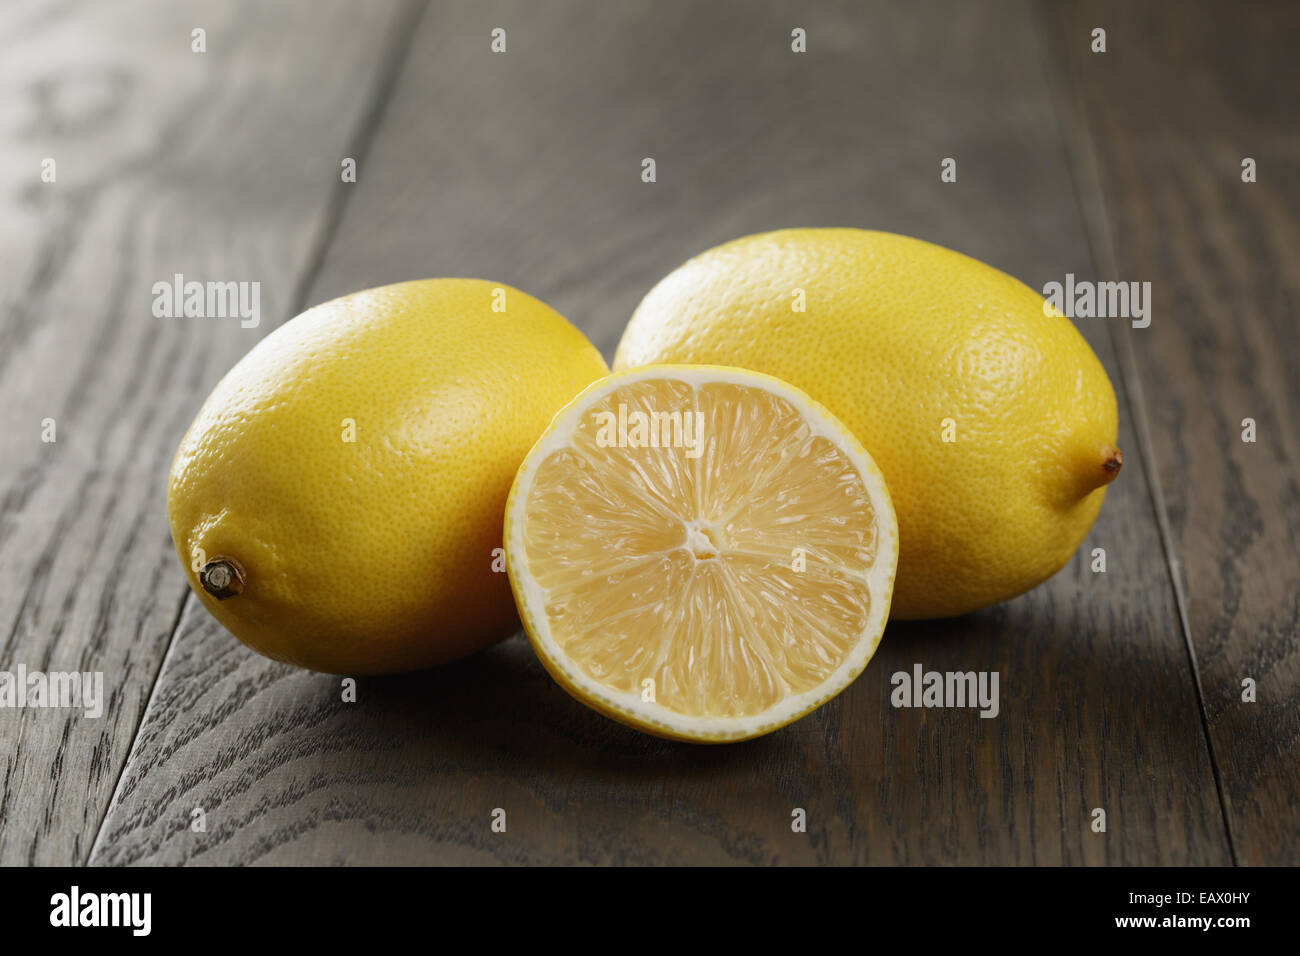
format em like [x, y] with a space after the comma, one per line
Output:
[993, 423]
[338, 501]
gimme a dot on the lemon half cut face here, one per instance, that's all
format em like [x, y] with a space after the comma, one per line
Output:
[700, 552]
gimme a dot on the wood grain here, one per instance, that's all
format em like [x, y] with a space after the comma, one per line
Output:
[1169, 113]
[168, 161]
[525, 167]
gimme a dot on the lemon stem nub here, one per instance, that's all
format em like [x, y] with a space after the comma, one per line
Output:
[1110, 467]
[222, 577]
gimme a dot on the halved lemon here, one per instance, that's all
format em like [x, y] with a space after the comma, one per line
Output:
[703, 553]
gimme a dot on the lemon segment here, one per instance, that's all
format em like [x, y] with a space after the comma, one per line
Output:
[700, 552]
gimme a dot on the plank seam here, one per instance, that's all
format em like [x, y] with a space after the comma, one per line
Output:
[135, 737]
[401, 39]
[1103, 255]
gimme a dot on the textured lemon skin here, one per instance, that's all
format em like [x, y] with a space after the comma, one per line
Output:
[375, 555]
[899, 335]
[535, 626]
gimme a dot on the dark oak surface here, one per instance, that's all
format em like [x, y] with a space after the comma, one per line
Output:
[167, 161]
[1119, 691]
[1169, 128]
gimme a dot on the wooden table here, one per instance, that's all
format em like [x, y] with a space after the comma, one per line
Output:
[1120, 691]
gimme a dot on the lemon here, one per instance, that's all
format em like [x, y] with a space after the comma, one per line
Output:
[993, 422]
[702, 553]
[338, 500]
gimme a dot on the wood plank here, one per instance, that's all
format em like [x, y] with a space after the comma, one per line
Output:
[217, 165]
[1166, 118]
[524, 167]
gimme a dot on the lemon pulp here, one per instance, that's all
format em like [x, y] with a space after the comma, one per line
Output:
[701, 545]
